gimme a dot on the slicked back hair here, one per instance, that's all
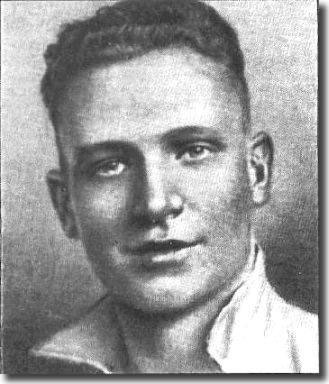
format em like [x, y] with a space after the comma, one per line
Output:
[132, 28]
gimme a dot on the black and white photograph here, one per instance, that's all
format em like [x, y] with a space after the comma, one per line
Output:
[159, 187]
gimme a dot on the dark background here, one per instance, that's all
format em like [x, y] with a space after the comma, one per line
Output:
[46, 278]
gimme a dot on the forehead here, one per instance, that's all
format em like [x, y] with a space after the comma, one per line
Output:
[146, 97]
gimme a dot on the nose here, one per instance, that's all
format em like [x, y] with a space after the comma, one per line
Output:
[159, 199]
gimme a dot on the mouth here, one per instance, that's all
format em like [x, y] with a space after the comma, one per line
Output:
[154, 247]
[155, 253]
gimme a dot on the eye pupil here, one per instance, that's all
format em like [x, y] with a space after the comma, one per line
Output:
[113, 164]
[196, 151]
[109, 168]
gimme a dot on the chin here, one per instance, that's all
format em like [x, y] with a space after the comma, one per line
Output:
[166, 302]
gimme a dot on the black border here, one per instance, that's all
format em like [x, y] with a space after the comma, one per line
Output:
[322, 139]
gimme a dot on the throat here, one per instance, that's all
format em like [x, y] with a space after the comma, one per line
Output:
[168, 343]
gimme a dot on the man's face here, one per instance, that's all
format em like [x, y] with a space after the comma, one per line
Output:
[157, 178]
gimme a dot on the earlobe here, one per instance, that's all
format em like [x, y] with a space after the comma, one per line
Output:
[61, 201]
[260, 160]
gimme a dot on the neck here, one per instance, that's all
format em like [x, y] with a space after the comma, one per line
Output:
[170, 342]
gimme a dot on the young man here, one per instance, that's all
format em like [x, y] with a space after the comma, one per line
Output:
[159, 179]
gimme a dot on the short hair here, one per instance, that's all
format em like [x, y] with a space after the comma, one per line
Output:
[132, 28]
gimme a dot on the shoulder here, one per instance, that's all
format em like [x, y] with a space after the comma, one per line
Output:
[293, 330]
[84, 347]
[45, 364]
[297, 320]
[301, 332]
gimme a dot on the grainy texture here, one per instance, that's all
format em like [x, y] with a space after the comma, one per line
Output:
[47, 280]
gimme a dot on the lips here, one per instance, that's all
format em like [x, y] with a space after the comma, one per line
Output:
[161, 247]
[166, 256]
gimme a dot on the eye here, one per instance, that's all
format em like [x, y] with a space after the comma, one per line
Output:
[108, 168]
[196, 152]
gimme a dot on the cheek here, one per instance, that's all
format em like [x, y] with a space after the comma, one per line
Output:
[221, 186]
[101, 213]
[100, 209]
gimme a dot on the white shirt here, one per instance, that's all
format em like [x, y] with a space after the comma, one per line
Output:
[256, 332]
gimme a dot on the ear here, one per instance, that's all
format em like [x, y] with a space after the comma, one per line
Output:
[61, 201]
[260, 160]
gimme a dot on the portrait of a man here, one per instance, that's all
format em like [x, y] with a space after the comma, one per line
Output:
[160, 176]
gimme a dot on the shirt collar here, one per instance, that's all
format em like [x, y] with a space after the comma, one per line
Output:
[229, 339]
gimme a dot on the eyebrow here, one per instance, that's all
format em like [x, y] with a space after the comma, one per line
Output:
[84, 151]
[172, 136]
[197, 131]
